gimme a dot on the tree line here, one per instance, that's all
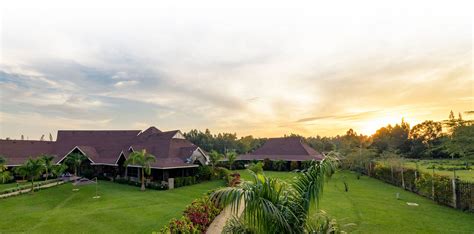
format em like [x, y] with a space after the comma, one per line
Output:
[451, 138]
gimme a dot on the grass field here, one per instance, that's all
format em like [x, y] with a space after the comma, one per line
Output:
[425, 166]
[121, 209]
[14, 184]
[373, 207]
[370, 204]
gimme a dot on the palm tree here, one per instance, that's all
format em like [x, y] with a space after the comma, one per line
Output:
[273, 206]
[4, 175]
[47, 164]
[2, 160]
[231, 157]
[142, 159]
[32, 168]
[75, 160]
[214, 157]
[57, 170]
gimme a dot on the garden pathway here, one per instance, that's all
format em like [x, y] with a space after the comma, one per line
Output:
[29, 189]
[218, 224]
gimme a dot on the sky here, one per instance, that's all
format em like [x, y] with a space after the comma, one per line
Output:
[253, 68]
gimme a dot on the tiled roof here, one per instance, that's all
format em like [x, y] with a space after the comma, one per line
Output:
[105, 147]
[286, 148]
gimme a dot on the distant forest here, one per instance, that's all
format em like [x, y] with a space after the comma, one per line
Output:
[451, 138]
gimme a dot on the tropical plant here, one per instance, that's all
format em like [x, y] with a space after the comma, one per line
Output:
[2, 160]
[273, 206]
[4, 175]
[142, 159]
[231, 157]
[256, 168]
[57, 170]
[214, 157]
[32, 169]
[75, 160]
[47, 164]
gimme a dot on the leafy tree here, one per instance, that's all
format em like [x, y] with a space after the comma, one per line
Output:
[75, 160]
[273, 206]
[231, 157]
[142, 159]
[47, 164]
[426, 133]
[32, 169]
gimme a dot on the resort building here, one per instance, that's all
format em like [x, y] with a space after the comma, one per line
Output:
[283, 149]
[106, 151]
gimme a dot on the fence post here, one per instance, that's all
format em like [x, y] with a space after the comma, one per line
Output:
[454, 192]
[403, 180]
[391, 170]
[432, 186]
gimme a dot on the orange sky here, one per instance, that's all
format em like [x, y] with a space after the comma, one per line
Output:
[249, 68]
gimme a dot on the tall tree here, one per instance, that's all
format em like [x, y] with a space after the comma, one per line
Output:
[142, 159]
[426, 133]
[75, 160]
[214, 157]
[32, 169]
[231, 156]
[47, 164]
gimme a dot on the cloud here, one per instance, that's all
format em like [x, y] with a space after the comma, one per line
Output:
[125, 83]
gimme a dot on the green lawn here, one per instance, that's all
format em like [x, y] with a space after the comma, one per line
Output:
[373, 207]
[121, 209]
[467, 175]
[370, 204]
[14, 184]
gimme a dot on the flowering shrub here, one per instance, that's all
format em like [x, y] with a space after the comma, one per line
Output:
[183, 225]
[196, 217]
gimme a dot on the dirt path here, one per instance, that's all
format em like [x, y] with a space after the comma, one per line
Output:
[29, 189]
[218, 224]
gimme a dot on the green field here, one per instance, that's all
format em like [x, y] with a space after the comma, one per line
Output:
[373, 207]
[121, 209]
[370, 204]
[442, 168]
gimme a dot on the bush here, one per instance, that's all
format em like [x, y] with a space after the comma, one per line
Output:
[182, 225]
[196, 217]
[267, 164]
[280, 165]
[184, 181]
[294, 165]
[257, 168]
[204, 173]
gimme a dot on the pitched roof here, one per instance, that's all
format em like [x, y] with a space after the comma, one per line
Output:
[105, 147]
[285, 148]
[16, 152]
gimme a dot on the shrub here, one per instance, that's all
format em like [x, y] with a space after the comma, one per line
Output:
[196, 217]
[305, 164]
[267, 164]
[294, 165]
[204, 173]
[182, 225]
[279, 165]
[257, 168]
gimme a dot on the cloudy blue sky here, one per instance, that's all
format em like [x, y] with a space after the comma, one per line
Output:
[259, 69]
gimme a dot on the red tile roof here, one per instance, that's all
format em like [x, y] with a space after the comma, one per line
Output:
[286, 148]
[105, 147]
[16, 152]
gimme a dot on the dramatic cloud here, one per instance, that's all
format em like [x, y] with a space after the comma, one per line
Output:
[246, 68]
